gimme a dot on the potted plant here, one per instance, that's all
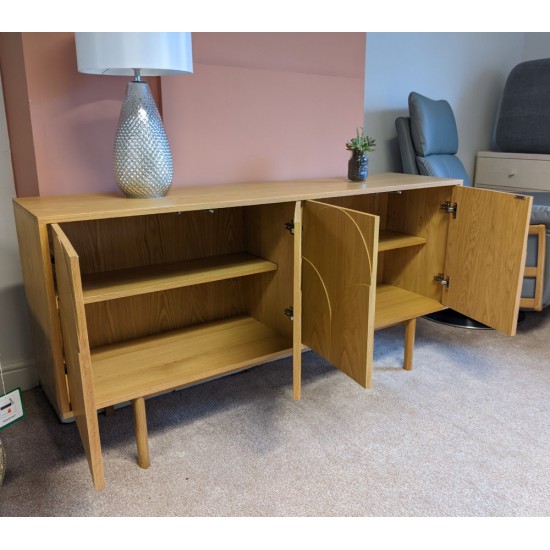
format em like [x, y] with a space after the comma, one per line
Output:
[358, 165]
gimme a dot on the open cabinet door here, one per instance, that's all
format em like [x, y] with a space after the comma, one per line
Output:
[77, 351]
[339, 259]
[485, 259]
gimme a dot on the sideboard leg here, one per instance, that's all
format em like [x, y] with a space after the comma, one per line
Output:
[297, 374]
[140, 422]
[297, 305]
[410, 329]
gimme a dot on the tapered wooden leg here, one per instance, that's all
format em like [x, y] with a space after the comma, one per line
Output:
[297, 305]
[297, 374]
[140, 423]
[410, 329]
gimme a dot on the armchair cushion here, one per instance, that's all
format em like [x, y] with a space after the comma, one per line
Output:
[433, 126]
[443, 166]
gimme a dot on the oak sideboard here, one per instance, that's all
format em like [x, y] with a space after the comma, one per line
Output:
[130, 298]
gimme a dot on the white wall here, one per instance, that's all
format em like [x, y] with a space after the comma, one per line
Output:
[15, 342]
[466, 69]
[537, 45]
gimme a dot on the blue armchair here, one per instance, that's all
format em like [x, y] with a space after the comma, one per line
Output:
[428, 143]
[428, 139]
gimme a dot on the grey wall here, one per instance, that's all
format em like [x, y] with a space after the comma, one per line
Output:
[15, 343]
[466, 69]
[537, 45]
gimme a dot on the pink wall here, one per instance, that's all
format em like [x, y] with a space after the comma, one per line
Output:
[18, 115]
[74, 117]
[265, 106]
[61, 123]
[259, 106]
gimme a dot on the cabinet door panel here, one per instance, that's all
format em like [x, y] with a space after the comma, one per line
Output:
[486, 256]
[77, 351]
[339, 256]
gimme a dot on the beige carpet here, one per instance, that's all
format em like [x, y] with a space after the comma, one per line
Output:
[466, 433]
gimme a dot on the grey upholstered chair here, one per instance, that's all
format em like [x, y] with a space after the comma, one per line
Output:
[428, 143]
[523, 120]
[523, 126]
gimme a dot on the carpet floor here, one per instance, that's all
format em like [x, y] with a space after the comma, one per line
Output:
[466, 433]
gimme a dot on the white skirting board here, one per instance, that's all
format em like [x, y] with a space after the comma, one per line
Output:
[19, 374]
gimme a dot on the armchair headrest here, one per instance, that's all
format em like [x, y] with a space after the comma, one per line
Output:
[523, 124]
[433, 126]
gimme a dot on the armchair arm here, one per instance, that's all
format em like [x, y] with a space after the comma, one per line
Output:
[406, 147]
[540, 214]
[536, 286]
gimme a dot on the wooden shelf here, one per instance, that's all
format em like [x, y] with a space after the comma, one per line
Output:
[169, 360]
[390, 240]
[98, 287]
[395, 305]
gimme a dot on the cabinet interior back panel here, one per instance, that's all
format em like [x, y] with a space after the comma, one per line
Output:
[417, 212]
[138, 316]
[118, 243]
[266, 236]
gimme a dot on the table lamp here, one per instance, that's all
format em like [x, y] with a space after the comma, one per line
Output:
[142, 158]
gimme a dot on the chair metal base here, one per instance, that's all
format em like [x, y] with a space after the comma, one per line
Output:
[455, 319]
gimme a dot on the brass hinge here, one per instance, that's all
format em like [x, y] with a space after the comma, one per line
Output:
[289, 226]
[442, 280]
[289, 312]
[450, 209]
[57, 301]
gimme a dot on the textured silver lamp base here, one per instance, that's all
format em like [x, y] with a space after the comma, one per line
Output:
[142, 158]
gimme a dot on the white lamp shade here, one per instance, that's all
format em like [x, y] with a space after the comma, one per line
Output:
[119, 53]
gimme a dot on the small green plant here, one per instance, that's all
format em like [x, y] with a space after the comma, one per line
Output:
[361, 143]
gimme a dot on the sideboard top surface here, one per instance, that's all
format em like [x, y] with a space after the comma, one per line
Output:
[65, 208]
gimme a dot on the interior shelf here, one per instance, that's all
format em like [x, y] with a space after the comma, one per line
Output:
[390, 240]
[395, 305]
[98, 287]
[172, 359]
